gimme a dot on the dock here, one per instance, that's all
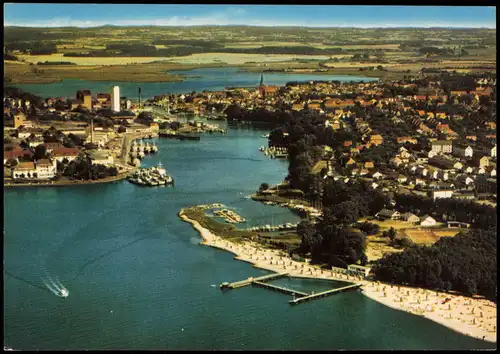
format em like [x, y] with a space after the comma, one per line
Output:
[279, 288]
[250, 280]
[298, 296]
[323, 293]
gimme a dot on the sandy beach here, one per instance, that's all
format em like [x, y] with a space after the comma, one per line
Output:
[473, 317]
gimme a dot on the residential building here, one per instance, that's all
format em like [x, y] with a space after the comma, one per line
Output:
[388, 214]
[442, 146]
[410, 217]
[19, 119]
[443, 193]
[463, 151]
[376, 139]
[427, 221]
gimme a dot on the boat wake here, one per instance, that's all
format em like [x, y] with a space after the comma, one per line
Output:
[56, 287]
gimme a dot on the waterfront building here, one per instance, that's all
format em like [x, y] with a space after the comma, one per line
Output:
[86, 97]
[45, 169]
[115, 99]
[24, 170]
[61, 153]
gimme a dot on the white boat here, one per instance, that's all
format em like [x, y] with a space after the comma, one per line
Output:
[64, 292]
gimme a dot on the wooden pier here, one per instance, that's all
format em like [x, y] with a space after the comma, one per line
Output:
[279, 288]
[323, 293]
[250, 280]
[299, 296]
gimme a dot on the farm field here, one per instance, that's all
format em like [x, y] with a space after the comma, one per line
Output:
[337, 51]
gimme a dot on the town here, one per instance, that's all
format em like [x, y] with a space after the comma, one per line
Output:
[59, 139]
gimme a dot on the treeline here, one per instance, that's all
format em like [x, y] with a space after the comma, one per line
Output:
[452, 209]
[82, 168]
[235, 113]
[34, 47]
[55, 63]
[332, 240]
[466, 263]
[18, 93]
[302, 50]
[199, 47]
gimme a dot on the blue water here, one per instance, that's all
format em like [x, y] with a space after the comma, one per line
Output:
[196, 80]
[138, 279]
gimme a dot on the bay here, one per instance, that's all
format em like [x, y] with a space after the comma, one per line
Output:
[137, 276]
[196, 80]
[138, 279]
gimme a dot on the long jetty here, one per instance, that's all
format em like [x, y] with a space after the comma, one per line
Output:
[250, 280]
[279, 288]
[323, 293]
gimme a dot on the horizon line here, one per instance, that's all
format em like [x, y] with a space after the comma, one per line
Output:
[264, 25]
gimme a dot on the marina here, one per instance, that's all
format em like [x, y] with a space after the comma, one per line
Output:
[281, 227]
[229, 216]
[151, 177]
[177, 135]
[274, 152]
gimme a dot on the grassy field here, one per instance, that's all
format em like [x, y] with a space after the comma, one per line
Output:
[152, 72]
[373, 42]
[429, 236]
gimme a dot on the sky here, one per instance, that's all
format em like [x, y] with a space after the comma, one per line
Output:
[92, 15]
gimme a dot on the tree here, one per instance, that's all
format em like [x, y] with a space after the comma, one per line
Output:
[391, 233]
[263, 187]
[306, 230]
[369, 228]
[40, 152]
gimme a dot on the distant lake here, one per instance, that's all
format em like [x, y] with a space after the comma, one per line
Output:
[210, 79]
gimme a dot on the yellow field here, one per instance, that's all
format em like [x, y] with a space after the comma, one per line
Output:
[429, 236]
[371, 46]
[377, 247]
[90, 61]
[203, 58]
[237, 59]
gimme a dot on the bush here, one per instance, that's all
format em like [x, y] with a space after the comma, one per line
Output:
[369, 228]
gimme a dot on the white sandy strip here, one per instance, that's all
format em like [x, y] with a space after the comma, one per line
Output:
[472, 317]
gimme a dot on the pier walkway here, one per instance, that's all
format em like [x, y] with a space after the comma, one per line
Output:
[323, 293]
[279, 288]
[250, 280]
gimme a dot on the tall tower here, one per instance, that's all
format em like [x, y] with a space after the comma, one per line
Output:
[261, 79]
[115, 99]
[139, 97]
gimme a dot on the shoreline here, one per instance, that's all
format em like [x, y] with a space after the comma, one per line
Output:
[386, 294]
[119, 177]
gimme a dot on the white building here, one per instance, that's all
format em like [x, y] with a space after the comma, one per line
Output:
[442, 194]
[115, 99]
[46, 169]
[427, 220]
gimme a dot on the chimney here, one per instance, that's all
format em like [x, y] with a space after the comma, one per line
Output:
[139, 97]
